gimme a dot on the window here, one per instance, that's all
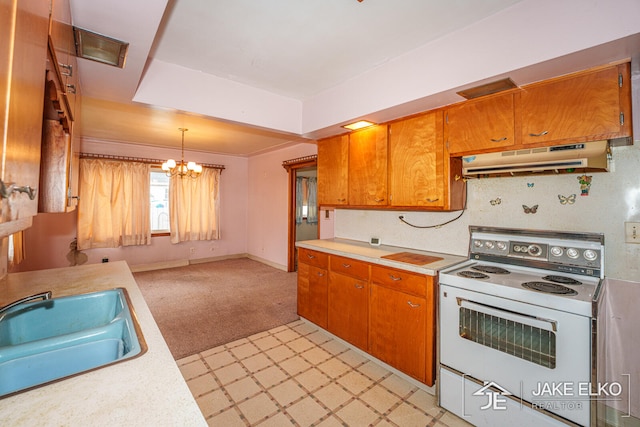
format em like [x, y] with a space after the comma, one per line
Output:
[159, 199]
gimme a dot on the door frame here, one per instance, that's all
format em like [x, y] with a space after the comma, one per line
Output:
[292, 167]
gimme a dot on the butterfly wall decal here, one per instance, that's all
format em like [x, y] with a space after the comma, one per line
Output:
[496, 201]
[529, 184]
[530, 210]
[567, 200]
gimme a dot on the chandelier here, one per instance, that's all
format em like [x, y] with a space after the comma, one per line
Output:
[182, 169]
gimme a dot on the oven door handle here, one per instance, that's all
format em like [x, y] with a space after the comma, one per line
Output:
[539, 322]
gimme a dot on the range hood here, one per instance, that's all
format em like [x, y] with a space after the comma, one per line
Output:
[571, 158]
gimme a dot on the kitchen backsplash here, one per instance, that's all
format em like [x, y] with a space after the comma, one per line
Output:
[546, 202]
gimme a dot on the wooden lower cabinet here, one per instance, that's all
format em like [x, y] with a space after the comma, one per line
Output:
[349, 309]
[397, 328]
[312, 286]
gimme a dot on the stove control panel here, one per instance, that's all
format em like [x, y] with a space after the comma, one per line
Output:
[570, 257]
[579, 253]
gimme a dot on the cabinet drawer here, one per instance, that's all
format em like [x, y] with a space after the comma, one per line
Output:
[401, 280]
[315, 258]
[350, 267]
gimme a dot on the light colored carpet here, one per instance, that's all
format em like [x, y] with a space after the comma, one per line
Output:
[202, 306]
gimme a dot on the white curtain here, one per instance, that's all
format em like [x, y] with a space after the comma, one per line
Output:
[194, 207]
[113, 209]
[300, 198]
[312, 200]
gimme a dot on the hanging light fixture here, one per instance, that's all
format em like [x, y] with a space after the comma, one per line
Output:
[182, 169]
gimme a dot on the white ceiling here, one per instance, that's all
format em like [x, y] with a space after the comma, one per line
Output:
[291, 49]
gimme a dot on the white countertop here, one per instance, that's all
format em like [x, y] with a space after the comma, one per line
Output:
[145, 391]
[363, 251]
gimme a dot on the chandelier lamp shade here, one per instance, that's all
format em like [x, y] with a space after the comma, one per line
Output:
[182, 169]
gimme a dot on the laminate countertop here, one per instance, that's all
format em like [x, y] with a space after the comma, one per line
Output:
[145, 391]
[363, 251]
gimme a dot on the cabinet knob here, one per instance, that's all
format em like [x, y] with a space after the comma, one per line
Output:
[310, 256]
[342, 200]
[320, 274]
[394, 278]
[432, 200]
[412, 305]
[346, 265]
[379, 200]
[7, 191]
[71, 88]
[358, 286]
[499, 139]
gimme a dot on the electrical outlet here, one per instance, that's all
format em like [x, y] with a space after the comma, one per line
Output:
[632, 232]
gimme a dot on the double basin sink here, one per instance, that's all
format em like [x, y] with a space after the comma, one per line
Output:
[49, 340]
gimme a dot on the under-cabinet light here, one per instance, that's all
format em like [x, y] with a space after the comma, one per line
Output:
[358, 125]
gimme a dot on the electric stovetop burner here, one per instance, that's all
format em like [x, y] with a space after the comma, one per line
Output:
[490, 269]
[473, 274]
[549, 288]
[562, 279]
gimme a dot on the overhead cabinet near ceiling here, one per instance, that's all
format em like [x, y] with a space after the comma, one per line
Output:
[59, 164]
[586, 106]
[333, 171]
[23, 31]
[401, 165]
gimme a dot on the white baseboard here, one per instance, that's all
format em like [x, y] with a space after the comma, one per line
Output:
[185, 262]
[216, 258]
[267, 262]
[158, 265]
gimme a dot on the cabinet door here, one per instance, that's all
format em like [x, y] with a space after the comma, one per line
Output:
[312, 294]
[578, 108]
[348, 309]
[480, 125]
[333, 163]
[416, 166]
[397, 330]
[368, 167]
[22, 100]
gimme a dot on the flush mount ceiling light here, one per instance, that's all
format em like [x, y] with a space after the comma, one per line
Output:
[488, 89]
[96, 47]
[358, 125]
[182, 169]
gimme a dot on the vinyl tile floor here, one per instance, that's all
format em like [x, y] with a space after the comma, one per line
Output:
[297, 374]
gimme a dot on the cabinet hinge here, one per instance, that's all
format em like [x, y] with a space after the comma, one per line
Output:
[621, 119]
[620, 80]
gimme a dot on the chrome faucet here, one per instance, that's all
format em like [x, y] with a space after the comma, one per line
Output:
[43, 295]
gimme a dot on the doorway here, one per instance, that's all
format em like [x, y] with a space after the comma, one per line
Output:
[303, 206]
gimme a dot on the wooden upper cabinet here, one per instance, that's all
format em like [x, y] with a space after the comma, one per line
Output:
[333, 164]
[21, 99]
[588, 106]
[368, 167]
[416, 165]
[484, 124]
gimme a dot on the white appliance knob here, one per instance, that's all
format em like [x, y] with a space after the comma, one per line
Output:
[573, 253]
[590, 255]
[488, 245]
[501, 245]
[556, 251]
[477, 243]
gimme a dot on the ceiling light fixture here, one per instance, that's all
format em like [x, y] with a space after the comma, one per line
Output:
[358, 125]
[182, 169]
[96, 47]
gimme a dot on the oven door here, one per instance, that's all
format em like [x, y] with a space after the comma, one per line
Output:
[533, 353]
